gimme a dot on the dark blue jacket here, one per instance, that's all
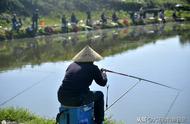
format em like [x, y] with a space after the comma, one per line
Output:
[79, 77]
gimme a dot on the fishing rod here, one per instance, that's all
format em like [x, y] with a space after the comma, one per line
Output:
[139, 78]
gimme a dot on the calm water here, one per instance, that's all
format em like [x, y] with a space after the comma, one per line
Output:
[157, 52]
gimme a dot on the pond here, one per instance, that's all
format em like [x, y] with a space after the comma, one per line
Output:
[31, 70]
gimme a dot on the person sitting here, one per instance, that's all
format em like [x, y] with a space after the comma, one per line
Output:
[89, 19]
[103, 18]
[161, 16]
[115, 18]
[74, 90]
[74, 22]
[19, 23]
[74, 19]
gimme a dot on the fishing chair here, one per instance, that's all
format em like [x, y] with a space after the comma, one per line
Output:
[76, 115]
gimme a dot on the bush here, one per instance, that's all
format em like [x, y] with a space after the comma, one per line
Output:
[2, 35]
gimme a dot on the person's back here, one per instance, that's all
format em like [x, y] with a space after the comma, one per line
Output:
[114, 17]
[89, 19]
[174, 15]
[63, 20]
[74, 90]
[35, 17]
[74, 19]
[103, 18]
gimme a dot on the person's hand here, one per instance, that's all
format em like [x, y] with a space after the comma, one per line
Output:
[104, 75]
[102, 70]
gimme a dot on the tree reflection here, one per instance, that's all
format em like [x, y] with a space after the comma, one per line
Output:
[63, 47]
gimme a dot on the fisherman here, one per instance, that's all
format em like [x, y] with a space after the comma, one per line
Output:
[74, 22]
[35, 18]
[89, 19]
[114, 17]
[141, 13]
[19, 23]
[14, 22]
[103, 18]
[74, 19]
[174, 15]
[75, 91]
[161, 16]
[136, 18]
[64, 24]
[131, 16]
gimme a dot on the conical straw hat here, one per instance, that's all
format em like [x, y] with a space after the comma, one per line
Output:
[87, 54]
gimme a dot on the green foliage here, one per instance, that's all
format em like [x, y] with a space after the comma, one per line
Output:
[109, 120]
[56, 7]
[15, 114]
[21, 115]
[2, 35]
[51, 12]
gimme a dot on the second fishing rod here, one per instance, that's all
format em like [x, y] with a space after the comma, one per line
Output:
[139, 78]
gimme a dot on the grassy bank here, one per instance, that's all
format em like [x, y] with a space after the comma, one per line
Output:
[21, 115]
[24, 116]
[51, 23]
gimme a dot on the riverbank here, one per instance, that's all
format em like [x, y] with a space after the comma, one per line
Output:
[52, 25]
[21, 115]
[13, 115]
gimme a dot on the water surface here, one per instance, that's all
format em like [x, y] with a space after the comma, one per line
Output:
[157, 52]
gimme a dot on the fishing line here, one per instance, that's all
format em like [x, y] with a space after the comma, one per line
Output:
[172, 104]
[23, 91]
[107, 96]
[122, 95]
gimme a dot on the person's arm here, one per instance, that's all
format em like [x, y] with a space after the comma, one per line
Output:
[100, 77]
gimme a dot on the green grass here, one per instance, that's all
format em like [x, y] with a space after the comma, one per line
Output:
[21, 115]
[55, 22]
[56, 19]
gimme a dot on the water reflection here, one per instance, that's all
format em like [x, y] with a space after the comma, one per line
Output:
[18, 53]
[159, 57]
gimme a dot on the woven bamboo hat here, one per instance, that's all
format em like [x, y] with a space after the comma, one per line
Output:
[87, 54]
